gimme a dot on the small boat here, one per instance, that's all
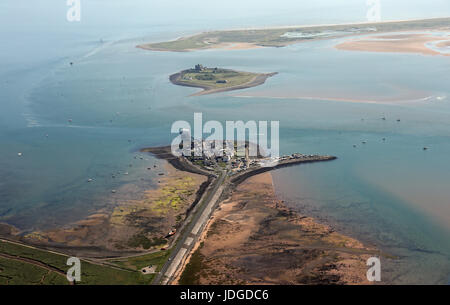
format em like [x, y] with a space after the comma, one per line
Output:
[90, 180]
[19, 154]
[425, 148]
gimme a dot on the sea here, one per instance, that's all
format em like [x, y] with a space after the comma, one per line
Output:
[78, 100]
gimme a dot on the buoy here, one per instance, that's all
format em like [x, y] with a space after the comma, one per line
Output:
[70, 120]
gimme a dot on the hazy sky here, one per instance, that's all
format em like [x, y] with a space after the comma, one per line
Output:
[213, 13]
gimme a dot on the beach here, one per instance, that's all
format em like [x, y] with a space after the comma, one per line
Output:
[395, 43]
[276, 37]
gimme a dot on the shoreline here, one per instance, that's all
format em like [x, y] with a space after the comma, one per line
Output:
[272, 36]
[100, 220]
[258, 80]
[347, 269]
[410, 43]
[106, 233]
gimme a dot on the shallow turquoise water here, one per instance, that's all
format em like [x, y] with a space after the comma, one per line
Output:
[390, 193]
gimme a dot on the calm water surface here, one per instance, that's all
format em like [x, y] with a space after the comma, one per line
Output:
[391, 194]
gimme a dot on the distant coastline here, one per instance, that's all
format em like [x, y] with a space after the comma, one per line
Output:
[277, 37]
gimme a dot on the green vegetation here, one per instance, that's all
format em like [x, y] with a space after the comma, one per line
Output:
[277, 38]
[14, 271]
[139, 262]
[140, 240]
[174, 196]
[222, 164]
[213, 78]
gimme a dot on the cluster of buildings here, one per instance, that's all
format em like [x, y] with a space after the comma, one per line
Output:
[233, 157]
[205, 154]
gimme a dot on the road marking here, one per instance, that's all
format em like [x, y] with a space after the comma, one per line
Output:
[204, 217]
[188, 241]
[207, 211]
[177, 259]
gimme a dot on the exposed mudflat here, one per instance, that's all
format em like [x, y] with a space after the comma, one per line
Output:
[254, 239]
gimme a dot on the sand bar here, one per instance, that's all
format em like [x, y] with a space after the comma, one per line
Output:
[396, 43]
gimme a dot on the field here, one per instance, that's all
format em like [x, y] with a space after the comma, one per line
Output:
[280, 37]
[139, 262]
[24, 265]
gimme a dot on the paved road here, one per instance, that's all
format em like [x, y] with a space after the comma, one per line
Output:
[191, 233]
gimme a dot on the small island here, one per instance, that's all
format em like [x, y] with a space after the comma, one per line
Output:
[214, 80]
